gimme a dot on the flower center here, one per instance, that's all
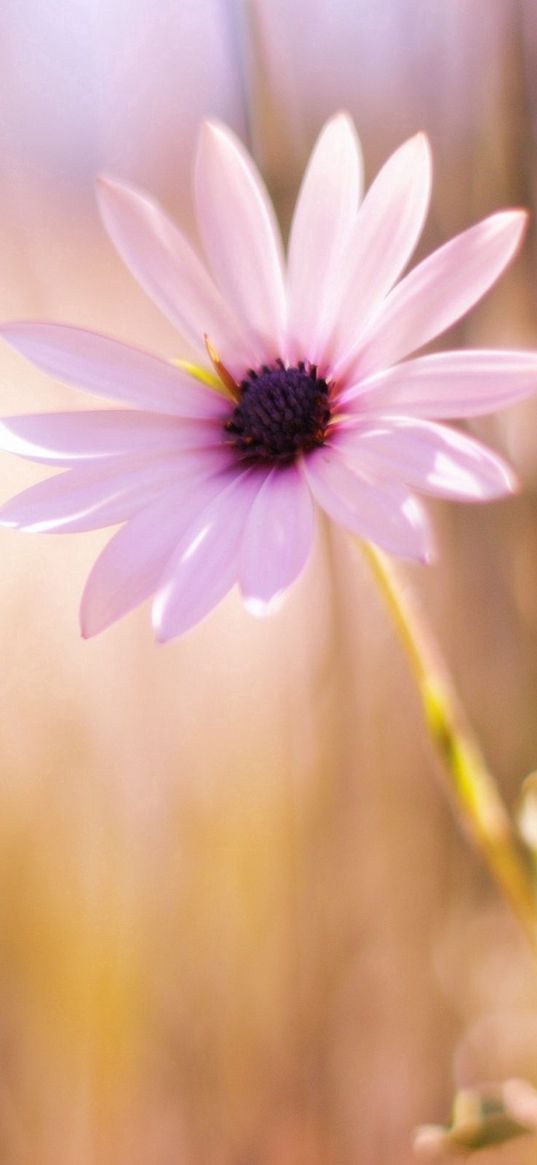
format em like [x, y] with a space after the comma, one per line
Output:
[281, 412]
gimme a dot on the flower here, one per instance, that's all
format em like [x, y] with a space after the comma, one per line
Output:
[301, 399]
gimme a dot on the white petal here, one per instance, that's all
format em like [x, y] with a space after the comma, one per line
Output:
[379, 511]
[388, 225]
[129, 568]
[439, 291]
[66, 438]
[205, 563]
[427, 457]
[277, 537]
[241, 237]
[89, 496]
[324, 213]
[166, 266]
[109, 368]
[444, 385]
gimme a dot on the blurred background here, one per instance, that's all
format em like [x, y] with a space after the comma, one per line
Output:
[238, 922]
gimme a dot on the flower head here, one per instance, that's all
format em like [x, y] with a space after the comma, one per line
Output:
[302, 396]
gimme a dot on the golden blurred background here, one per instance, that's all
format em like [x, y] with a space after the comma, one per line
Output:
[239, 924]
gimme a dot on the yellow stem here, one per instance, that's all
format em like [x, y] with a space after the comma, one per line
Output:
[470, 783]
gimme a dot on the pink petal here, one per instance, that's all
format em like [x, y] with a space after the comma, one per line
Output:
[130, 567]
[388, 225]
[325, 211]
[89, 496]
[241, 237]
[381, 512]
[168, 269]
[277, 537]
[205, 563]
[440, 290]
[448, 384]
[427, 457]
[107, 367]
[64, 438]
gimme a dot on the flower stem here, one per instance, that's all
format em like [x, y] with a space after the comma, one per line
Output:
[470, 784]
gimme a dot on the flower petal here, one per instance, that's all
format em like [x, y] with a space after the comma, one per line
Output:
[447, 385]
[130, 567]
[387, 227]
[89, 496]
[109, 368]
[324, 213]
[427, 457]
[240, 236]
[277, 537]
[440, 290]
[381, 512]
[65, 438]
[205, 562]
[168, 269]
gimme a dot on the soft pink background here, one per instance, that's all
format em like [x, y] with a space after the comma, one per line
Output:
[237, 921]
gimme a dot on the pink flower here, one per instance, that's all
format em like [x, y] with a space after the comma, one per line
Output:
[317, 406]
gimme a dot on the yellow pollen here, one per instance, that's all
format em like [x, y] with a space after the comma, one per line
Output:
[198, 373]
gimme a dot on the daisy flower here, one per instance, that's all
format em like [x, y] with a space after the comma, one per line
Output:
[301, 398]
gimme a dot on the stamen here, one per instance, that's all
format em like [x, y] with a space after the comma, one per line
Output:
[221, 370]
[281, 413]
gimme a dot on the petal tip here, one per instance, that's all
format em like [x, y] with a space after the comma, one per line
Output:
[264, 608]
[92, 622]
[213, 138]
[513, 483]
[519, 214]
[86, 630]
[113, 194]
[423, 148]
[519, 217]
[505, 485]
[220, 139]
[161, 636]
[512, 222]
[340, 127]
[158, 618]
[106, 186]
[342, 119]
[213, 130]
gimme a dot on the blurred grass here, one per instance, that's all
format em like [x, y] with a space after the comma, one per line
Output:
[237, 922]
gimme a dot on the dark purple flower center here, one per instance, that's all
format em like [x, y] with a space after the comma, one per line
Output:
[281, 412]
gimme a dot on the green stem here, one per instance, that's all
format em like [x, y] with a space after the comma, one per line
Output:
[470, 783]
